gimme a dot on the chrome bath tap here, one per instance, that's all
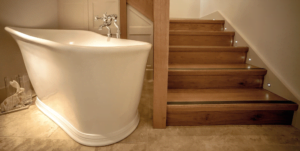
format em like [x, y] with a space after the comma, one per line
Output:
[107, 19]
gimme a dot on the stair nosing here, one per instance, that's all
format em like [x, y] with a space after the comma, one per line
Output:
[208, 49]
[224, 68]
[199, 95]
[204, 33]
[232, 102]
[197, 21]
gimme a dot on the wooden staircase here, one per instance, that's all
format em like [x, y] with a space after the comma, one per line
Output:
[209, 82]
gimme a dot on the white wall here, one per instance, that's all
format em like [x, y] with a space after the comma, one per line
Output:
[184, 8]
[271, 28]
[21, 13]
[79, 14]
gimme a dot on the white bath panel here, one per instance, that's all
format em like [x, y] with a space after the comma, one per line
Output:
[85, 138]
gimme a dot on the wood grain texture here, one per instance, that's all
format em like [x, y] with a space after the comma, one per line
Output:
[145, 7]
[212, 66]
[192, 38]
[216, 72]
[201, 33]
[207, 57]
[214, 82]
[208, 48]
[233, 107]
[161, 53]
[199, 25]
[196, 21]
[194, 118]
[200, 95]
[123, 19]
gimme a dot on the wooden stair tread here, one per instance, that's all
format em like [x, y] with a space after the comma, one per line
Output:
[201, 33]
[197, 21]
[207, 48]
[207, 95]
[216, 70]
[211, 66]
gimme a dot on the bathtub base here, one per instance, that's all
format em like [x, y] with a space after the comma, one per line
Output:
[84, 138]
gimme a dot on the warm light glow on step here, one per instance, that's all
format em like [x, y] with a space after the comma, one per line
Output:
[249, 59]
[71, 43]
[225, 28]
[269, 85]
[267, 96]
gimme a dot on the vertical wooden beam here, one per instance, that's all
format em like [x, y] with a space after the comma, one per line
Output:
[123, 19]
[161, 54]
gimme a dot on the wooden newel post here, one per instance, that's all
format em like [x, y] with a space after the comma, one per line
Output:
[161, 58]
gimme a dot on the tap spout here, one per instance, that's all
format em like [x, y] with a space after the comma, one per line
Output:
[109, 31]
[118, 29]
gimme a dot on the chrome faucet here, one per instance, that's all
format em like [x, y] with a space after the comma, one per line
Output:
[107, 19]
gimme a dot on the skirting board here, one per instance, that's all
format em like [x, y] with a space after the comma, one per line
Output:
[84, 138]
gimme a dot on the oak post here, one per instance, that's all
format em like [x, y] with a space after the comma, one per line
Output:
[161, 53]
[123, 19]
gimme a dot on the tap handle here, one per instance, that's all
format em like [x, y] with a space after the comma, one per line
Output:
[105, 15]
[97, 18]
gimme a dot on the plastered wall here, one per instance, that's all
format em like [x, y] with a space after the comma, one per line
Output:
[184, 8]
[79, 14]
[21, 13]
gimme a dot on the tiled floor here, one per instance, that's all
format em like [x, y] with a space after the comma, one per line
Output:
[31, 130]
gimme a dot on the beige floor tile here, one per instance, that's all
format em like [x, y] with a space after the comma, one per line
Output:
[282, 139]
[124, 147]
[140, 135]
[174, 143]
[38, 144]
[27, 123]
[255, 139]
[7, 143]
[276, 148]
[59, 134]
[225, 147]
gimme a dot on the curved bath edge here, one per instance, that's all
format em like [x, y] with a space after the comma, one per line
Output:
[84, 138]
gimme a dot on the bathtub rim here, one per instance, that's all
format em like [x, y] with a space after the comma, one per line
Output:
[85, 138]
[17, 34]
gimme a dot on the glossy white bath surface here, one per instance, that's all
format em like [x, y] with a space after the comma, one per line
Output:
[89, 84]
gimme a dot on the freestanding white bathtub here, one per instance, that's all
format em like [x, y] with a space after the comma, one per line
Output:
[89, 84]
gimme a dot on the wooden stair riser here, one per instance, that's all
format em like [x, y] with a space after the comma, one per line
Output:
[238, 117]
[201, 40]
[214, 82]
[197, 26]
[207, 57]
